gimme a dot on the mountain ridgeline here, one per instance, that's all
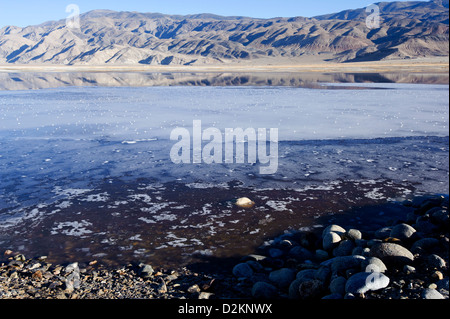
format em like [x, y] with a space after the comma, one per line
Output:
[406, 30]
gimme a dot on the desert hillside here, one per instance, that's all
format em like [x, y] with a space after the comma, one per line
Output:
[407, 30]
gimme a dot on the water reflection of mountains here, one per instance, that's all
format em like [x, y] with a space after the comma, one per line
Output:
[45, 80]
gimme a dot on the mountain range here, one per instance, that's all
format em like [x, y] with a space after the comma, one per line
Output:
[407, 30]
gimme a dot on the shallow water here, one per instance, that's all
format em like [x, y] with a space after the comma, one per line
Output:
[85, 173]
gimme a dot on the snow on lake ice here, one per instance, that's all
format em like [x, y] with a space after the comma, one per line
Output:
[144, 114]
[94, 163]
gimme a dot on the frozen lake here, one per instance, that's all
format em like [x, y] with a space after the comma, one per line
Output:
[86, 173]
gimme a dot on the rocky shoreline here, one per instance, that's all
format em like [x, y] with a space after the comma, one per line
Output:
[405, 259]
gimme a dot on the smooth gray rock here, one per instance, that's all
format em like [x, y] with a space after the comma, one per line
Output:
[293, 288]
[306, 274]
[431, 294]
[256, 266]
[242, 270]
[373, 242]
[264, 290]
[383, 233]
[300, 253]
[440, 217]
[334, 228]
[424, 245]
[361, 243]
[358, 251]
[366, 252]
[392, 254]
[366, 281]
[302, 276]
[402, 231]
[443, 284]
[275, 252]
[323, 274]
[372, 264]
[282, 277]
[423, 225]
[345, 248]
[310, 289]
[337, 285]
[330, 240]
[354, 234]
[435, 261]
[322, 254]
[341, 264]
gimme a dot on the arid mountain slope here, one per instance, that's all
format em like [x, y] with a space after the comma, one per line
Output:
[407, 30]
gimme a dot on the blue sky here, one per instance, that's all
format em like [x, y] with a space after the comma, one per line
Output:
[29, 12]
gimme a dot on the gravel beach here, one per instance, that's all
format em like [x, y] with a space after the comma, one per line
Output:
[405, 259]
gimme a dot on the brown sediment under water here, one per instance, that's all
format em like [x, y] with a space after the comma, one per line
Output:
[176, 224]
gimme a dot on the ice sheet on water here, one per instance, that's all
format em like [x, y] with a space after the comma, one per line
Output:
[74, 147]
[134, 115]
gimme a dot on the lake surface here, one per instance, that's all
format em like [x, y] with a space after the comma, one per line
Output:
[86, 173]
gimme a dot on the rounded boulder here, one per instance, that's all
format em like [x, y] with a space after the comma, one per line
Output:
[391, 253]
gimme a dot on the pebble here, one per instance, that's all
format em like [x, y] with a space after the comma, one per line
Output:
[440, 217]
[363, 282]
[442, 287]
[330, 240]
[354, 234]
[145, 271]
[275, 252]
[424, 245]
[436, 262]
[345, 248]
[73, 267]
[407, 269]
[383, 233]
[256, 266]
[306, 274]
[300, 253]
[194, 289]
[432, 286]
[334, 228]
[205, 295]
[242, 270]
[391, 253]
[162, 288]
[423, 225]
[302, 276]
[323, 274]
[282, 277]
[373, 264]
[341, 264]
[374, 242]
[402, 232]
[321, 254]
[431, 294]
[310, 289]
[264, 290]
[337, 286]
